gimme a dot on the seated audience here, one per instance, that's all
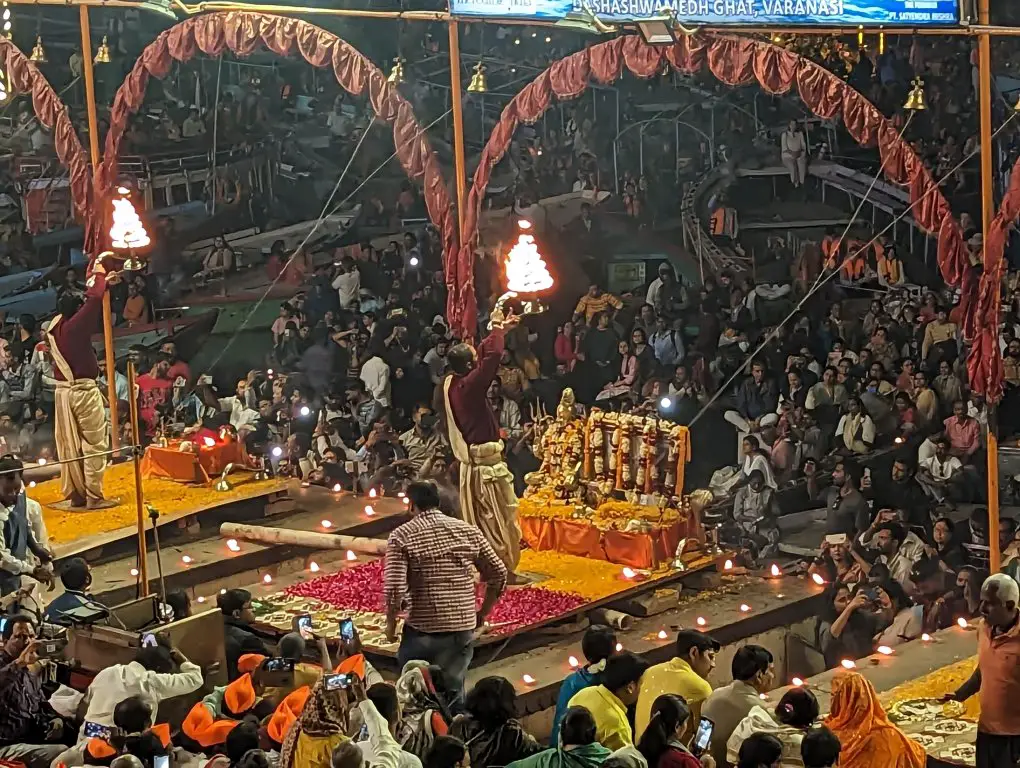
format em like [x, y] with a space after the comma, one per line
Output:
[490, 727]
[609, 700]
[662, 744]
[866, 735]
[576, 744]
[753, 675]
[790, 722]
[239, 637]
[760, 750]
[686, 674]
[820, 748]
[597, 645]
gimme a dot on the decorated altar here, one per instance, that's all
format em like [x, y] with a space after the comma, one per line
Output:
[610, 487]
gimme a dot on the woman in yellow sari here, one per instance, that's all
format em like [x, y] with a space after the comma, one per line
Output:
[867, 736]
[319, 729]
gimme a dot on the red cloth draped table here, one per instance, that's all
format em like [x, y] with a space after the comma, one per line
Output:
[171, 463]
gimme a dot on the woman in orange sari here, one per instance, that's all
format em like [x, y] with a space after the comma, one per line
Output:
[867, 736]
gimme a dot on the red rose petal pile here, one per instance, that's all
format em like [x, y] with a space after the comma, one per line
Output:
[360, 588]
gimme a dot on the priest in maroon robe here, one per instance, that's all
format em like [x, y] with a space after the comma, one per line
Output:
[487, 495]
[80, 422]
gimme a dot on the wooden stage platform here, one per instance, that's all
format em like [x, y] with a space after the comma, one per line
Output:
[79, 532]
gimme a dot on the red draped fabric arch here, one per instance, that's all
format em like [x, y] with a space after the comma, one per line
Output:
[243, 32]
[737, 61]
[24, 77]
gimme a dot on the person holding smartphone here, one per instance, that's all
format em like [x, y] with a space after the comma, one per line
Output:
[661, 743]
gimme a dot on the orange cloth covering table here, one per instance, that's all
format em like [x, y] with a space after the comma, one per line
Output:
[581, 538]
[187, 467]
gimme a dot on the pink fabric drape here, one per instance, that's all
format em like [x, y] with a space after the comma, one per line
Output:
[244, 32]
[24, 77]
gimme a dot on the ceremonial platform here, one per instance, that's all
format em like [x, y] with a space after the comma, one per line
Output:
[98, 532]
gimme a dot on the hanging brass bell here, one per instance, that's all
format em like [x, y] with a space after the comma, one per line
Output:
[38, 54]
[103, 54]
[478, 83]
[915, 99]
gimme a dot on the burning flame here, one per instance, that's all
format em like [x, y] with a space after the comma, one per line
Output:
[848, 664]
[885, 650]
[701, 621]
[127, 230]
[524, 266]
[662, 634]
[528, 680]
[962, 622]
[774, 570]
[817, 579]
[797, 682]
[573, 662]
[925, 637]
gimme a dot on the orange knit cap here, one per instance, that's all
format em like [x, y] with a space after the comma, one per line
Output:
[353, 664]
[239, 696]
[249, 662]
[286, 713]
[100, 748]
[199, 726]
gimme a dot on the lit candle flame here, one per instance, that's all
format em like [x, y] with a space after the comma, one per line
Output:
[371, 493]
[201, 599]
[797, 682]
[962, 623]
[313, 567]
[327, 523]
[233, 546]
[209, 442]
[186, 560]
[267, 579]
[619, 647]
[817, 579]
[774, 570]
[351, 555]
[337, 488]
[134, 571]
[368, 510]
[662, 634]
[885, 650]
[401, 494]
[127, 230]
[727, 565]
[848, 664]
[525, 268]
[701, 621]
[744, 607]
[42, 462]
[629, 573]
[572, 661]
[925, 637]
[528, 679]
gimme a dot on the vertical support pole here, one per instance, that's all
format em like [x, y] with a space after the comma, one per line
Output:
[136, 438]
[987, 214]
[458, 126]
[90, 103]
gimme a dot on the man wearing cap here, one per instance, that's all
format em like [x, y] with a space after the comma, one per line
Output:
[81, 429]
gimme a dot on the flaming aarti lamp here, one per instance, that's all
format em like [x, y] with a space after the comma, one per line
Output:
[526, 276]
[127, 231]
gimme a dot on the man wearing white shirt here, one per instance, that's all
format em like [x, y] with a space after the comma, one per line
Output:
[938, 474]
[242, 414]
[376, 375]
[151, 677]
[22, 533]
[381, 712]
[347, 283]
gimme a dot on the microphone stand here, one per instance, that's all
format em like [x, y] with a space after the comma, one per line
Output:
[153, 517]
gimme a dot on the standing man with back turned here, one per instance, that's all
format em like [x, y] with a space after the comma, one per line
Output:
[80, 427]
[997, 677]
[487, 495]
[429, 568]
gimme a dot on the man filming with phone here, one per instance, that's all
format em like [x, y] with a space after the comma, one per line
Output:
[29, 729]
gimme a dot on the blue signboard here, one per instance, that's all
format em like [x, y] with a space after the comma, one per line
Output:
[830, 13]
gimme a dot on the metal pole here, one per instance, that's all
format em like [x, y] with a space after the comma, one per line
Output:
[90, 103]
[215, 126]
[987, 214]
[136, 436]
[458, 127]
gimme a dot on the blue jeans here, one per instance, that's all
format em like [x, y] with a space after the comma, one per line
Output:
[452, 651]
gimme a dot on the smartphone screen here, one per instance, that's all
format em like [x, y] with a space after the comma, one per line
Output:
[96, 731]
[336, 682]
[347, 629]
[836, 538]
[278, 665]
[161, 761]
[304, 626]
[702, 737]
[149, 640]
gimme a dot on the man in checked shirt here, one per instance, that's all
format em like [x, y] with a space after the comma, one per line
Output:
[428, 569]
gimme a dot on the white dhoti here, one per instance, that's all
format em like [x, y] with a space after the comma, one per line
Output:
[80, 430]
[487, 498]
